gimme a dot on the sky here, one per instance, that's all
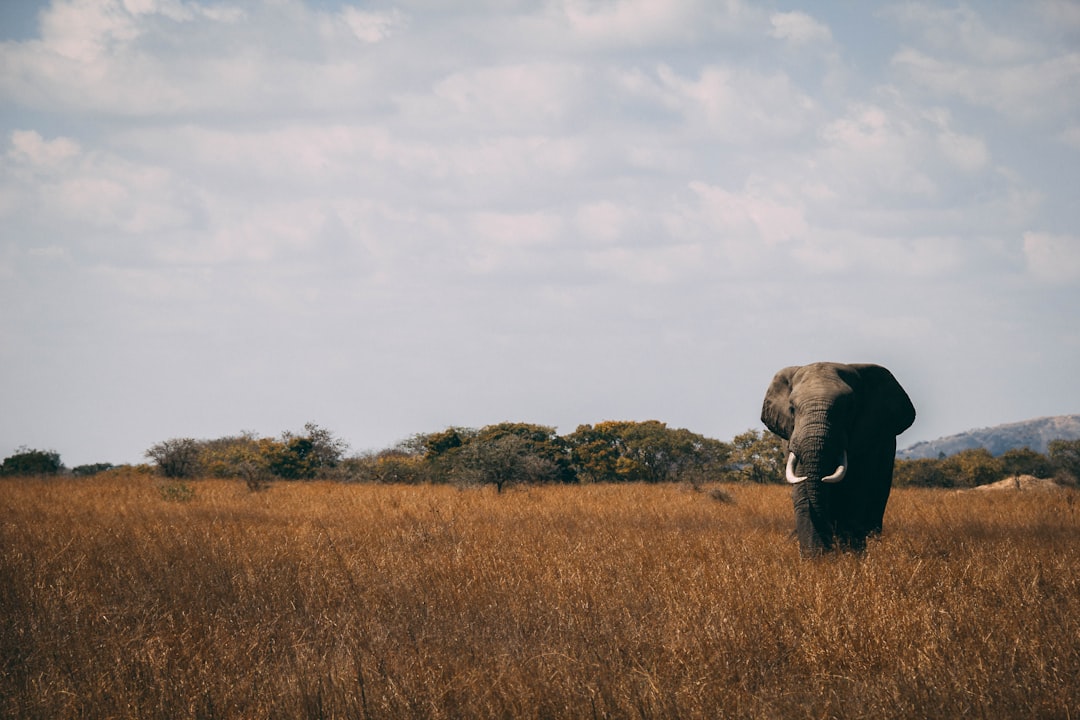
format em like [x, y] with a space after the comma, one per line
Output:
[388, 218]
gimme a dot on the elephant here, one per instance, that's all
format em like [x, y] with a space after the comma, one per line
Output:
[840, 422]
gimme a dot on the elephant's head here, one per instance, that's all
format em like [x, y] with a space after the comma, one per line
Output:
[841, 423]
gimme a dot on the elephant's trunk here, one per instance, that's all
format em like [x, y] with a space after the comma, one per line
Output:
[818, 449]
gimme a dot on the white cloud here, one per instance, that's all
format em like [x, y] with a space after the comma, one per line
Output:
[965, 152]
[1019, 63]
[963, 31]
[1061, 13]
[76, 194]
[175, 10]
[733, 104]
[604, 221]
[372, 27]
[1071, 136]
[916, 258]
[659, 265]
[871, 150]
[1025, 91]
[510, 241]
[28, 145]
[87, 30]
[749, 216]
[159, 59]
[636, 23]
[1053, 258]
[512, 98]
[798, 28]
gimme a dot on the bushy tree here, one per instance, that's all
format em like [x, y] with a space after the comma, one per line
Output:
[313, 453]
[923, 472]
[32, 462]
[245, 456]
[439, 444]
[91, 469]
[643, 452]
[1065, 456]
[393, 465]
[1025, 461]
[326, 449]
[970, 468]
[308, 455]
[504, 460]
[177, 458]
[546, 456]
[758, 457]
[500, 454]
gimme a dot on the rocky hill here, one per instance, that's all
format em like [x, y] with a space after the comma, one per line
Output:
[1035, 434]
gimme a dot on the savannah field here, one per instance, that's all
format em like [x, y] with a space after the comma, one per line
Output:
[123, 597]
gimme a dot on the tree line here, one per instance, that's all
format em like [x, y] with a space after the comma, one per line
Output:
[507, 454]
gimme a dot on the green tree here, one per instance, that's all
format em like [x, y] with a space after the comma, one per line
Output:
[439, 451]
[922, 472]
[308, 455]
[546, 453]
[649, 451]
[390, 466]
[91, 469]
[438, 444]
[498, 454]
[1025, 461]
[970, 468]
[688, 456]
[32, 462]
[243, 456]
[504, 460]
[177, 458]
[758, 457]
[1065, 455]
[595, 452]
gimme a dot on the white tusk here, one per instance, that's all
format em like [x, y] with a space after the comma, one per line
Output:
[840, 472]
[790, 474]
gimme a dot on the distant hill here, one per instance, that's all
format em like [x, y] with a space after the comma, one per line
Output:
[1035, 434]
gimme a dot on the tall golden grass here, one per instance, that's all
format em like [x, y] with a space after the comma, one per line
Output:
[342, 601]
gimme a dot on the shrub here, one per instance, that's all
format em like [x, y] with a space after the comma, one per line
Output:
[1065, 456]
[970, 468]
[388, 466]
[174, 490]
[758, 457]
[32, 462]
[507, 460]
[644, 452]
[1025, 461]
[302, 457]
[90, 470]
[177, 458]
[923, 472]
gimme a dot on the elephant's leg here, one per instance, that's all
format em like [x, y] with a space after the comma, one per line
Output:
[849, 507]
[879, 485]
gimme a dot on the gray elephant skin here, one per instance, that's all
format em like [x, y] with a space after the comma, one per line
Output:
[840, 422]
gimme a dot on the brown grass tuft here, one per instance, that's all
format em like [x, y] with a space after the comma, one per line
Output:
[324, 600]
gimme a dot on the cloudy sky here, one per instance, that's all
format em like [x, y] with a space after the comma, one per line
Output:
[392, 217]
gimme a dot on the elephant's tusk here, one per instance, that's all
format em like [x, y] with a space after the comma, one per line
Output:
[790, 474]
[836, 477]
[841, 471]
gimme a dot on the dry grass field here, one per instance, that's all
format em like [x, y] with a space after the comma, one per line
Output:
[313, 600]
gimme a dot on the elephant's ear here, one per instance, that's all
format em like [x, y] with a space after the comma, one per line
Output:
[776, 411]
[885, 399]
